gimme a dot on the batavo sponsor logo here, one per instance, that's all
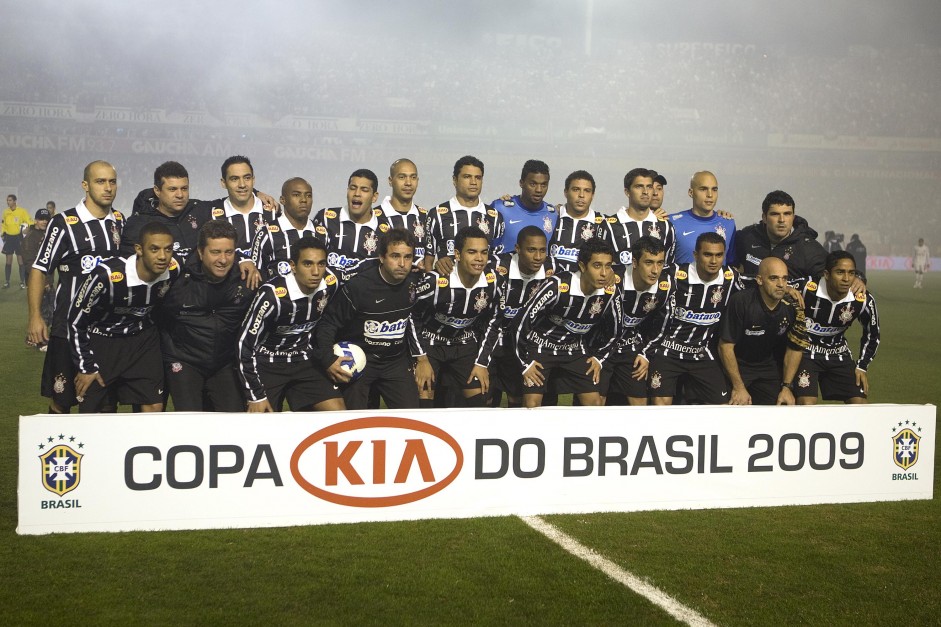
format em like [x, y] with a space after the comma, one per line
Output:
[377, 462]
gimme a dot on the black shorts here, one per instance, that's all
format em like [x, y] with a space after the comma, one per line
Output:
[836, 379]
[194, 390]
[453, 364]
[616, 377]
[763, 382]
[12, 244]
[568, 372]
[506, 372]
[394, 379]
[132, 369]
[703, 380]
[58, 373]
[303, 383]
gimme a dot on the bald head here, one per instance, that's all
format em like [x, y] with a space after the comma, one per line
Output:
[772, 265]
[772, 280]
[95, 165]
[704, 190]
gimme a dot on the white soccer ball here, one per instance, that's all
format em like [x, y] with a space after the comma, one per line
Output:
[354, 352]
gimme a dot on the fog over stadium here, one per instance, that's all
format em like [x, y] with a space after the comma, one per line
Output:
[836, 102]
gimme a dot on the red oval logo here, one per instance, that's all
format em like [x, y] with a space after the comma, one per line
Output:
[366, 468]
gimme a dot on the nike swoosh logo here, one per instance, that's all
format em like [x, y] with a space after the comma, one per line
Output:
[725, 394]
[515, 221]
[685, 233]
[379, 300]
[756, 245]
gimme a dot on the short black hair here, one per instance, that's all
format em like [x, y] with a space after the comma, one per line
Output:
[236, 159]
[13, 196]
[777, 197]
[709, 237]
[466, 233]
[305, 243]
[534, 166]
[531, 231]
[647, 244]
[169, 170]
[580, 174]
[395, 236]
[658, 178]
[637, 172]
[363, 173]
[153, 228]
[835, 257]
[595, 246]
[216, 229]
[468, 160]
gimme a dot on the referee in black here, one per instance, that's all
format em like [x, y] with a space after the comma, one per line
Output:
[763, 337]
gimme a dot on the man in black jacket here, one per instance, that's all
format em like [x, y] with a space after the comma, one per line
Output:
[782, 234]
[199, 319]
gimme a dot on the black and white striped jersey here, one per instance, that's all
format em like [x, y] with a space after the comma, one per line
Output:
[621, 231]
[448, 313]
[114, 301]
[75, 242]
[827, 321]
[246, 224]
[569, 235]
[349, 242]
[693, 310]
[271, 248]
[414, 222]
[558, 318]
[638, 310]
[519, 287]
[279, 325]
[445, 220]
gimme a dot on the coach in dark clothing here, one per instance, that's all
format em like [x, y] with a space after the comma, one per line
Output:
[858, 250]
[199, 322]
[782, 234]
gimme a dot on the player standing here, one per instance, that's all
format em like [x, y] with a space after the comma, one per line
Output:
[115, 343]
[578, 223]
[76, 241]
[463, 209]
[637, 219]
[921, 262]
[528, 208]
[271, 248]
[830, 307]
[15, 221]
[352, 232]
[702, 218]
[400, 208]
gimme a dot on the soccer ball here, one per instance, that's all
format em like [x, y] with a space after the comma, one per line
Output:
[354, 352]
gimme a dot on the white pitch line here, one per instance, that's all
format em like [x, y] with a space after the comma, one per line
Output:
[653, 594]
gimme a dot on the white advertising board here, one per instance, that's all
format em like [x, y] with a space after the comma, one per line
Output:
[124, 472]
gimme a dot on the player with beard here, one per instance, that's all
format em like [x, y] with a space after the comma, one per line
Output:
[524, 271]
[464, 209]
[831, 306]
[199, 322]
[400, 208]
[277, 358]
[578, 223]
[644, 287]
[76, 241]
[528, 208]
[684, 347]
[457, 320]
[762, 339]
[271, 249]
[115, 343]
[352, 232]
[637, 219]
[553, 332]
[373, 310]
[702, 218]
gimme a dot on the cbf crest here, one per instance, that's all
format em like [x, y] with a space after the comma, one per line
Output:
[61, 469]
[905, 448]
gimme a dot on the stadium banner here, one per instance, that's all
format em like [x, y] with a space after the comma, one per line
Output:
[124, 472]
[899, 263]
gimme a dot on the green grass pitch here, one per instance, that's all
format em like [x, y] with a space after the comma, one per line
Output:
[858, 564]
